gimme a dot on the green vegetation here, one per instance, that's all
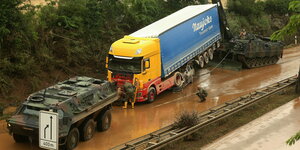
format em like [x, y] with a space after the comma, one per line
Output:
[293, 139]
[73, 36]
[186, 119]
[293, 26]
[66, 34]
[259, 17]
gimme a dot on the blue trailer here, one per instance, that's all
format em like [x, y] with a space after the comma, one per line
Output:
[184, 35]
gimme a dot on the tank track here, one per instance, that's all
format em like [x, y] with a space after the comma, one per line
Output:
[258, 61]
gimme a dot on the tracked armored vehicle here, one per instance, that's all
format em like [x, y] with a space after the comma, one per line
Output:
[251, 51]
[254, 51]
[83, 104]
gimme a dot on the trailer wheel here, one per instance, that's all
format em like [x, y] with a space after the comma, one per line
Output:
[88, 130]
[210, 54]
[20, 138]
[205, 56]
[104, 121]
[178, 79]
[72, 139]
[201, 61]
[151, 95]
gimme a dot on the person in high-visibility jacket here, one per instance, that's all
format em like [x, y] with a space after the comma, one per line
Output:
[129, 91]
[136, 85]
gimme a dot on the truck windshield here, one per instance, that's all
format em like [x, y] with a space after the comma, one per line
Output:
[125, 65]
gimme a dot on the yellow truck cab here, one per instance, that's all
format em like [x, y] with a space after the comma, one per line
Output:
[133, 58]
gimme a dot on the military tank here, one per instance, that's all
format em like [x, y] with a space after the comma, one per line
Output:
[83, 104]
[248, 49]
[255, 51]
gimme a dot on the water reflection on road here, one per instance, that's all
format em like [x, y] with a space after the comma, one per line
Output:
[222, 85]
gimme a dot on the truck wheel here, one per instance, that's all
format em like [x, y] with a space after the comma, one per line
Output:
[205, 56]
[178, 79]
[151, 95]
[210, 54]
[104, 121]
[72, 139]
[88, 130]
[201, 61]
[20, 138]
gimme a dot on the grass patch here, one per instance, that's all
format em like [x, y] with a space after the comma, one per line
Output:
[6, 116]
[210, 133]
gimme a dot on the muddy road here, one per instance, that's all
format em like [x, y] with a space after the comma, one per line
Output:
[222, 85]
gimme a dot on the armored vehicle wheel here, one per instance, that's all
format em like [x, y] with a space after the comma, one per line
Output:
[274, 59]
[72, 139]
[246, 62]
[265, 61]
[253, 63]
[259, 62]
[104, 121]
[20, 138]
[201, 61]
[256, 62]
[178, 79]
[205, 56]
[88, 130]
[151, 94]
[210, 54]
[270, 60]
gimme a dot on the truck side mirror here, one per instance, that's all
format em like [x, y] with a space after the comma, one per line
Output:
[146, 63]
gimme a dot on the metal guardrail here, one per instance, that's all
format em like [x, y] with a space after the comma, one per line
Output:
[166, 135]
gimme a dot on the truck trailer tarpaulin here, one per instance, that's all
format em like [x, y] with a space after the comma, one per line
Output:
[184, 34]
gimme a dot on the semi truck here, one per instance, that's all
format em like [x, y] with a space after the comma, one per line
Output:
[161, 55]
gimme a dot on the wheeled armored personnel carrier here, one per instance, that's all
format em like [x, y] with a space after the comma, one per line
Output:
[83, 105]
[255, 51]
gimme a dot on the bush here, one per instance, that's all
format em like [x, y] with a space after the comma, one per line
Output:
[245, 7]
[249, 15]
[186, 119]
[5, 85]
[277, 6]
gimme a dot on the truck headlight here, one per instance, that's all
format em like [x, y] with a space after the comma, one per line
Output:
[8, 125]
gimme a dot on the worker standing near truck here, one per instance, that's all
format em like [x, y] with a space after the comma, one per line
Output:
[129, 91]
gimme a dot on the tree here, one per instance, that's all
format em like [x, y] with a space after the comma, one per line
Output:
[294, 23]
[291, 28]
